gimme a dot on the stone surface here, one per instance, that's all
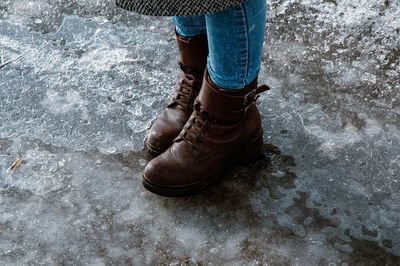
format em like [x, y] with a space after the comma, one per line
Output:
[82, 80]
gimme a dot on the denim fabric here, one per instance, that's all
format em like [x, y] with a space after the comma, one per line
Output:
[235, 39]
[190, 26]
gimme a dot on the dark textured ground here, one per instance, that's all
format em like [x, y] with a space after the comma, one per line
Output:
[75, 108]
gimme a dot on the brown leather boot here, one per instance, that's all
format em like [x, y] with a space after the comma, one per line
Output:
[193, 60]
[224, 129]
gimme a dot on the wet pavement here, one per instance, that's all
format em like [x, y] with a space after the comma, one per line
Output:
[81, 82]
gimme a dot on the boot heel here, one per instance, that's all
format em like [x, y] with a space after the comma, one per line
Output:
[252, 151]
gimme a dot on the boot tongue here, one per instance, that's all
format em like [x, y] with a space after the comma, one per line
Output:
[200, 109]
[197, 72]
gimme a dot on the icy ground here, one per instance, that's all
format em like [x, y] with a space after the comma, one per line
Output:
[86, 79]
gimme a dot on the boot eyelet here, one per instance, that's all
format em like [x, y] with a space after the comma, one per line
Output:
[204, 134]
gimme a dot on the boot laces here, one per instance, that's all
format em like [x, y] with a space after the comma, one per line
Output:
[185, 86]
[195, 126]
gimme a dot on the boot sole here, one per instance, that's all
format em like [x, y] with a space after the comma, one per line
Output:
[176, 191]
[153, 151]
[246, 155]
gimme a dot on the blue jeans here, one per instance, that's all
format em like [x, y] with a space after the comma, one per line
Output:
[235, 40]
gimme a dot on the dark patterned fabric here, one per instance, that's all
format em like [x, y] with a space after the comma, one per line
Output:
[176, 7]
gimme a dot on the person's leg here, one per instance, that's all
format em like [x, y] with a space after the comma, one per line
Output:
[235, 39]
[191, 37]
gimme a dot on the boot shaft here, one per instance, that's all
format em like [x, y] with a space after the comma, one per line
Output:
[228, 105]
[193, 52]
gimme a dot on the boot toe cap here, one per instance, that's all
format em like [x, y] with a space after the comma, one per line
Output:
[159, 140]
[156, 140]
[164, 171]
[155, 173]
[164, 130]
